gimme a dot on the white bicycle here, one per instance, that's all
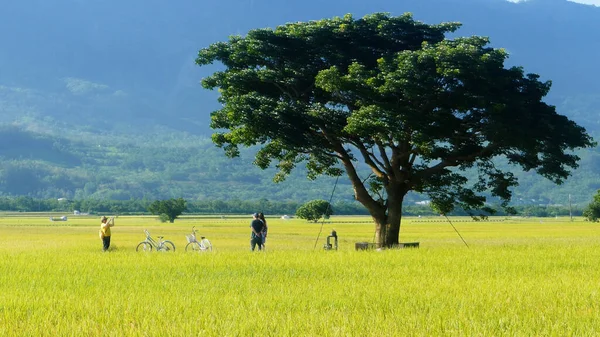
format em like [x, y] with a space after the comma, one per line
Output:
[149, 244]
[197, 246]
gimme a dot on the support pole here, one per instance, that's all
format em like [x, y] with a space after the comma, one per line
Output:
[570, 209]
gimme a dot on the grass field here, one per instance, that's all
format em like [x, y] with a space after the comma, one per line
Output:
[519, 277]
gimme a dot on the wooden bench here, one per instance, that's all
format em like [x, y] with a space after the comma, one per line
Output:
[370, 246]
[364, 246]
[408, 245]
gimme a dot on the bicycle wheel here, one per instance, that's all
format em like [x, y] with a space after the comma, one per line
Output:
[168, 246]
[192, 247]
[205, 245]
[144, 246]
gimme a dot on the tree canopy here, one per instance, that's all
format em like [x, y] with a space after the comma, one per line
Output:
[314, 210]
[395, 95]
[592, 210]
[169, 209]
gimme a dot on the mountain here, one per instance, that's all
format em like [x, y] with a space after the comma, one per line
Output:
[101, 98]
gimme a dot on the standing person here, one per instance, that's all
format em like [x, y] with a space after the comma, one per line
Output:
[105, 226]
[257, 227]
[261, 217]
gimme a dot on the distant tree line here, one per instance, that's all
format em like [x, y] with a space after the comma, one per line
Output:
[141, 206]
[153, 167]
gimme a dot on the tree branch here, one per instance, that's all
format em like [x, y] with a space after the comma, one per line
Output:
[454, 161]
[360, 192]
[370, 159]
[386, 160]
[324, 135]
[282, 90]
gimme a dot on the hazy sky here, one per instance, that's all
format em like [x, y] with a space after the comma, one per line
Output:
[589, 2]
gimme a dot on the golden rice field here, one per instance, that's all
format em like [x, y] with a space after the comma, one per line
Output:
[519, 277]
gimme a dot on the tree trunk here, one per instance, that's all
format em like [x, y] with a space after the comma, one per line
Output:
[386, 215]
[387, 227]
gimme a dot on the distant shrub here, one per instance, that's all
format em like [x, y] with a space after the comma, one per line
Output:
[314, 210]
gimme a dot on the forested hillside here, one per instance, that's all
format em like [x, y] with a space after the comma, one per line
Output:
[102, 98]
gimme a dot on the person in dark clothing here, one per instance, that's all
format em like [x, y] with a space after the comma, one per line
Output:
[261, 217]
[256, 236]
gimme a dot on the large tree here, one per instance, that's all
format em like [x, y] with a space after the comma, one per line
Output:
[171, 209]
[393, 93]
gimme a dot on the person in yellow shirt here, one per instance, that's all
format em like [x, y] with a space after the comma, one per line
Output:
[105, 231]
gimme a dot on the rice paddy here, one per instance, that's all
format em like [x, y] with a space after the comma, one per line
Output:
[518, 277]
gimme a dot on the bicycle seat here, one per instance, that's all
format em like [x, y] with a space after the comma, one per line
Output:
[203, 237]
[160, 237]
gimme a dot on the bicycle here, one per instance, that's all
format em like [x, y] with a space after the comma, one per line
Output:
[149, 244]
[197, 246]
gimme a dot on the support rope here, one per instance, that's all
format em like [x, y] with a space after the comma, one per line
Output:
[326, 211]
[463, 240]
